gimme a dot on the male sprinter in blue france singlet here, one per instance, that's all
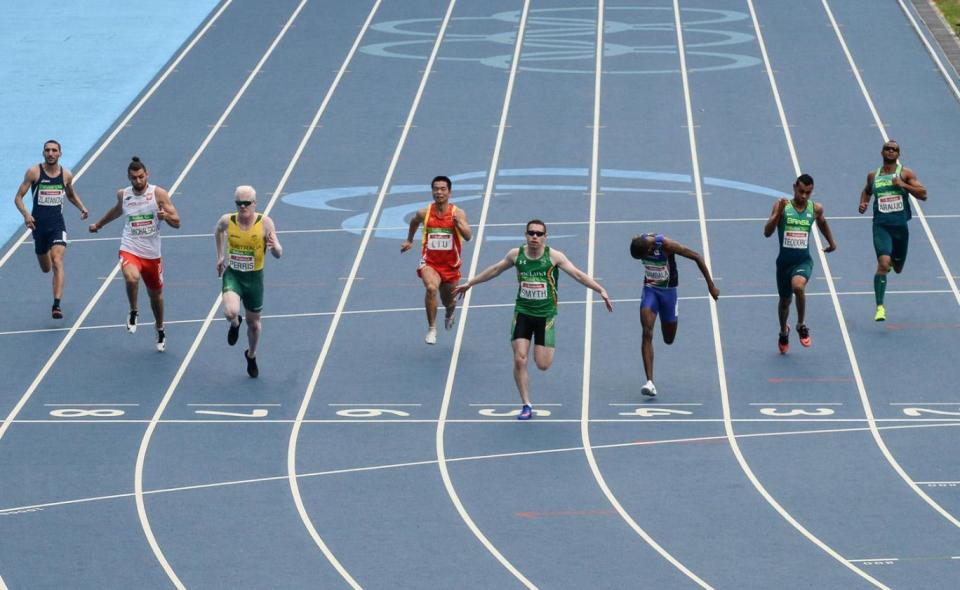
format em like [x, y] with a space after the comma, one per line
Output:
[49, 183]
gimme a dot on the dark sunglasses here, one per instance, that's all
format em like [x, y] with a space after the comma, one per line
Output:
[536, 234]
[888, 148]
[243, 203]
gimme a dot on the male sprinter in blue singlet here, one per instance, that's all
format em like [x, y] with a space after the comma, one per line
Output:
[892, 184]
[657, 253]
[49, 183]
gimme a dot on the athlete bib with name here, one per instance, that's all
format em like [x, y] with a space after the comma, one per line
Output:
[892, 204]
[141, 232]
[48, 194]
[537, 291]
[659, 267]
[794, 232]
[245, 247]
[441, 239]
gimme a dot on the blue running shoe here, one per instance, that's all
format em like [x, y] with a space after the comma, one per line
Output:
[526, 413]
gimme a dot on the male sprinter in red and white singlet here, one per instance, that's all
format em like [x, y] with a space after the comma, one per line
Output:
[445, 228]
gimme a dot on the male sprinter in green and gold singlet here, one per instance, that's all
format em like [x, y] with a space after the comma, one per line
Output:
[793, 219]
[891, 184]
[242, 239]
[535, 312]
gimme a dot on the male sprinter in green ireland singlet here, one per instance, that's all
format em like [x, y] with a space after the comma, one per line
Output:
[892, 185]
[535, 313]
[793, 221]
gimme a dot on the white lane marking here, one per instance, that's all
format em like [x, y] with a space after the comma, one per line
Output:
[715, 320]
[234, 405]
[464, 311]
[5, 425]
[769, 419]
[314, 314]
[145, 441]
[947, 272]
[123, 123]
[933, 54]
[292, 444]
[588, 322]
[213, 309]
[32, 507]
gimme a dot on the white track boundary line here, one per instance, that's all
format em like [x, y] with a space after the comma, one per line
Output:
[348, 286]
[933, 53]
[465, 308]
[588, 322]
[348, 470]
[145, 442]
[715, 320]
[123, 123]
[948, 274]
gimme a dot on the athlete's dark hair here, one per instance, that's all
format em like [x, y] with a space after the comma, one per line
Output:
[804, 179]
[135, 164]
[537, 222]
[53, 141]
[637, 247]
[442, 179]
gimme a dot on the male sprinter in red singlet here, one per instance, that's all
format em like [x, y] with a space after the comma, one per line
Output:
[144, 205]
[444, 228]
[49, 182]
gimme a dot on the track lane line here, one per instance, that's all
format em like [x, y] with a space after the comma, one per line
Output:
[168, 395]
[714, 316]
[933, 53]
[345, 294]
[465, 307]
[347, 470]
[126, 119]
[588, 322]
[948, 275]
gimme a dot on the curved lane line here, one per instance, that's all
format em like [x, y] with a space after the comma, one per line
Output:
[948, 274]
[588, 324]
[345, 294]
[139, 493]
[715, 320]
[464, 309]
[126, 119]
[145, 441]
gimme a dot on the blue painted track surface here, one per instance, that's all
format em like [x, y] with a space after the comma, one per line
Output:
[363, 457]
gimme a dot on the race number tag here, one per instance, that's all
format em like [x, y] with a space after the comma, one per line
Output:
[890, 203]
[534, 291]
[795, 239]
[142, 225]
[241, 260]
[656, 273]
[439, 241]
[50, 198]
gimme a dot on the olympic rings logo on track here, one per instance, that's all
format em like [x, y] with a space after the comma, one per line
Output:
[393, 220]
[561, 40]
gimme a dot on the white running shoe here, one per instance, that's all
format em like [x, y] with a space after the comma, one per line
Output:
[132, 322]
[161, 341]
[450, 320]
[649, 389]
[431, 337]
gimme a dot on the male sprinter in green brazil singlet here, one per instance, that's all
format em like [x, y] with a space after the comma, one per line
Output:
[891, 184]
